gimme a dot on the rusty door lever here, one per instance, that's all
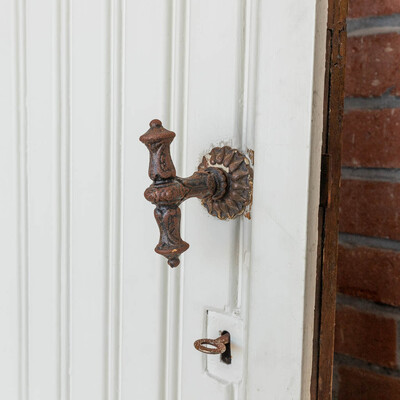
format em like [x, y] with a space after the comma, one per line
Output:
[223, 183]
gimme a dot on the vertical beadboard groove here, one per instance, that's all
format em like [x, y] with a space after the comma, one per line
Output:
[235, 273]
[114, 125]
[250, 73]
[22, 217]
[248, 139]
[63, 122]
[164, 305]
[242, 238]
[178, 122]
[57, 128]
[243, 43]
[246, 96]
[165, 274]
[108, 203]
[185, 133]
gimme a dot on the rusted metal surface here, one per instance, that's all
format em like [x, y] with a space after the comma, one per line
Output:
[220, 345]
[321, 386]
[250, 153]
[236, 194]
[223, 182]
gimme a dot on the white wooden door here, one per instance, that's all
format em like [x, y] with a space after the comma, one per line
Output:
[87, 309]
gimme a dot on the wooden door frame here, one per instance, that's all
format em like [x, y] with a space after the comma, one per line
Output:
[325, 300]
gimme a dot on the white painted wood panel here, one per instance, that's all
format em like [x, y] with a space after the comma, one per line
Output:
[89, 198]
[213, 116]
[146, 96]
[284, 198]
[12, 304]
[42, 199]
[87, 309]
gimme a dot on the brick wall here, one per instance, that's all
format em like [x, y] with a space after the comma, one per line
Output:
[367, 357]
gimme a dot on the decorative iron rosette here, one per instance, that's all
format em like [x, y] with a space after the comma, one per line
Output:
[236, 190]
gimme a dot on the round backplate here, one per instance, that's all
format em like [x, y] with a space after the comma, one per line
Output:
[238, 193]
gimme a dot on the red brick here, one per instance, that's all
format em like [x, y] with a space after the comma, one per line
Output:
[357, 384]
[372, 274]
[373, 65]
[371, 138]
[366, 8]
[365, 336]
[370, 208]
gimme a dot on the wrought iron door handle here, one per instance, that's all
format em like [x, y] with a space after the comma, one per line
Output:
[223, 182]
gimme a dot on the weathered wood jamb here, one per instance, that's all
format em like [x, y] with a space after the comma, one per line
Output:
[325, 304]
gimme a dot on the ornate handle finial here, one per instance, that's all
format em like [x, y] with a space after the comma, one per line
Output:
[223, 182]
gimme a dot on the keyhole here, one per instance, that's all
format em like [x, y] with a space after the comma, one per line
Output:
[226, 356]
